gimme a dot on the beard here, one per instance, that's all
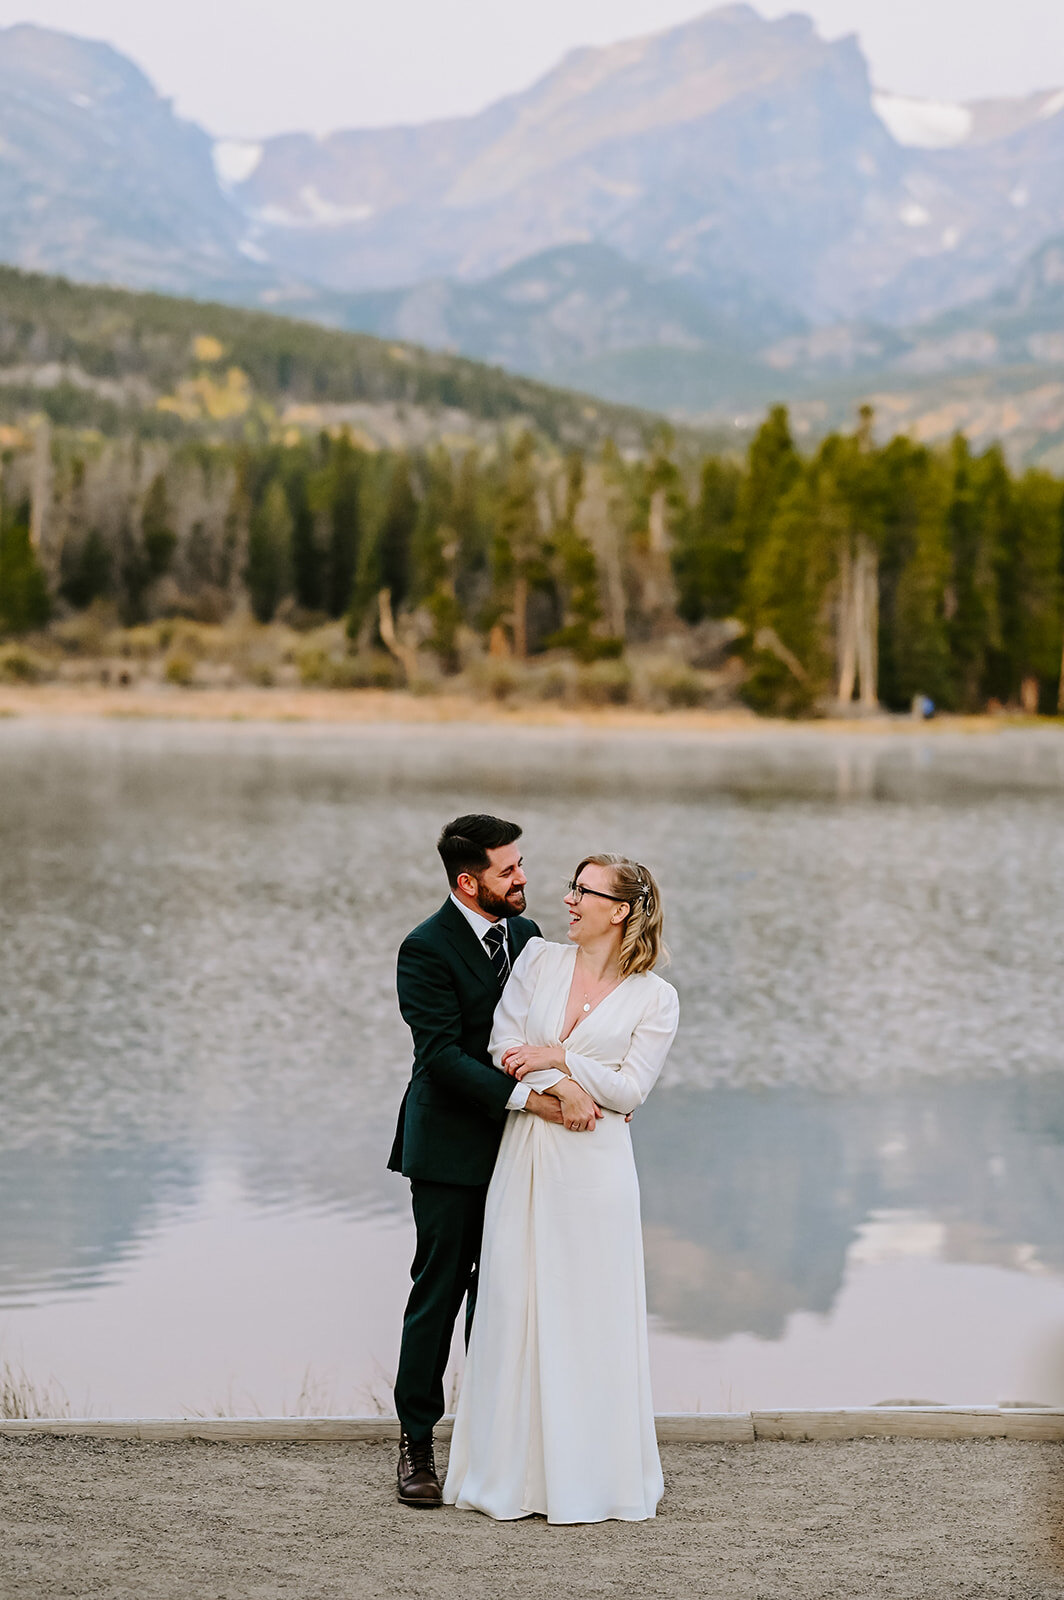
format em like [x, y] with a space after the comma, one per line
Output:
[508, 905]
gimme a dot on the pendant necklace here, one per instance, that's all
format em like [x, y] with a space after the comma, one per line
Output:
[587, 997]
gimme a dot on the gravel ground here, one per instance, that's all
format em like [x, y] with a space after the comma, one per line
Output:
[883, 1518]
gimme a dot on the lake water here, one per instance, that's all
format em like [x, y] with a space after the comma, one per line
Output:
[852, 1170]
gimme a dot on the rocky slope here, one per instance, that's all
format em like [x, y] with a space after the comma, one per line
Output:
[100, 180]
[701, 221]
[728, 146]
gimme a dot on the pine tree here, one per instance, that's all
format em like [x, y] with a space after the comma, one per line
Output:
[268, 572]
[384, 566]
[434, 534]
[910, 476]
[920, 620]
[24, 602]
[792, 657]
[307, 497]
[434, 559]
[579, 581]
[661, 514]
[85, 571]
[517, 552]
[773, 465]
[1032, 621]
[978, 511]
[157, 534]
[344, 523]
[396, 533]
[473, 496]
[709, 555]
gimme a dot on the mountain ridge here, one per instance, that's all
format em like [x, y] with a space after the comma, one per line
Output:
[699, 220]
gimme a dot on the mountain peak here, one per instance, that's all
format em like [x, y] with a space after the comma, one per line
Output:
[66, 62]
[100, 179]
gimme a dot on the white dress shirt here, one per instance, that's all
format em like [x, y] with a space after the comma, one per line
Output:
[480, 925]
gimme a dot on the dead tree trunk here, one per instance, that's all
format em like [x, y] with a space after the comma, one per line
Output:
[41, 483]
[768, 639]
[520, 617]
[847, 641]
[659, 590]
[858, 629]
[596, 522]
[867, 622]
[406, 657]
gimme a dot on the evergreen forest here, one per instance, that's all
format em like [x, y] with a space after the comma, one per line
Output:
[182, 469]
[859, 574]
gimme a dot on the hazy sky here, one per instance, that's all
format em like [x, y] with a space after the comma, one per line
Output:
[251, 67]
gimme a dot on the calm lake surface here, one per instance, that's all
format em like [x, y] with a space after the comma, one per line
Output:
[852, 1170]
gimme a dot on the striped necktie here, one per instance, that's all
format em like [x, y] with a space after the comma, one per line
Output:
[495, 940]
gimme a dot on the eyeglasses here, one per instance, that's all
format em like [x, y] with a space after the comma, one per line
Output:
[578, 891]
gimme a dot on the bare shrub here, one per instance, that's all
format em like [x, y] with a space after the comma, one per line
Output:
[21, 1398]
[19, 664]
[669, 682]
[605, 683]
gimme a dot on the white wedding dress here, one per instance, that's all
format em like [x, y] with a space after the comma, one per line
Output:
[555, 1414]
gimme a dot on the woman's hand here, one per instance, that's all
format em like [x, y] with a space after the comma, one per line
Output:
[523, 1058]
[579, 1111]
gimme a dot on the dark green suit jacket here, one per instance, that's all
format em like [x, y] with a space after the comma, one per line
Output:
[452, 1114]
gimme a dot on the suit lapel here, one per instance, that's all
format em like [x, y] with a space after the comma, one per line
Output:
[520, 933]
[466, 944]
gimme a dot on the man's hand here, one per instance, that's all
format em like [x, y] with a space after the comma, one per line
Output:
[579, 1111]
[547, 1106]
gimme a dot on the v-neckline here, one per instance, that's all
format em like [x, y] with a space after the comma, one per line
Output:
[584, 1015]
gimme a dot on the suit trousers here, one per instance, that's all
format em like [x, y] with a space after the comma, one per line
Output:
[449, 1220]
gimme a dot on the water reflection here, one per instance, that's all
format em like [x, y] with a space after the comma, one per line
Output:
[197, 930]
[71, 1217]
[754, 1204]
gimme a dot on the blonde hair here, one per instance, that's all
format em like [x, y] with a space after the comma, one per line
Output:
[641, 943]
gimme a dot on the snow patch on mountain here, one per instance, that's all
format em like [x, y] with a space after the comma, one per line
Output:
[235, 160]
[925, 124]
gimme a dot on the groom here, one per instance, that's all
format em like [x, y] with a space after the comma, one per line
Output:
[451, 972]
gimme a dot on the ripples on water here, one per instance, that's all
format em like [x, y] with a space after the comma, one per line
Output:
[197, 935]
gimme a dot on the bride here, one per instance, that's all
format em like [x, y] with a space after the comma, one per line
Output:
[555, 1413]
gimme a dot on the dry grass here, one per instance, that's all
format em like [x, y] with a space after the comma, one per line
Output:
[90, 649]
[316, 1398]
[22, 1398]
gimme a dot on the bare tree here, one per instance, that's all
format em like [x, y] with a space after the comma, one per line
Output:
[406, 657]
[858, 625]
[40, 483]
[596, 520]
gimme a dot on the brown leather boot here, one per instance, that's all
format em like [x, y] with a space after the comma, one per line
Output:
[416, 1473]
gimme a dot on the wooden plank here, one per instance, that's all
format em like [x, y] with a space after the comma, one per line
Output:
[234, 1430]
[691, 1427]
[1034, 1424]
[910, 1422]
[694, 1428]
[904, 1422]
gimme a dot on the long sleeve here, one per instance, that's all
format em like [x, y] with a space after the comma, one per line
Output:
[431, 1010]
[625, 1086]
[511, 1020]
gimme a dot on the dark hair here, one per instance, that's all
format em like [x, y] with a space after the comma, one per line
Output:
[465, 842]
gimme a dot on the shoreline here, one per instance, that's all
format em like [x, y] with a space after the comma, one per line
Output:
[1031, 1424]
[338, 708]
